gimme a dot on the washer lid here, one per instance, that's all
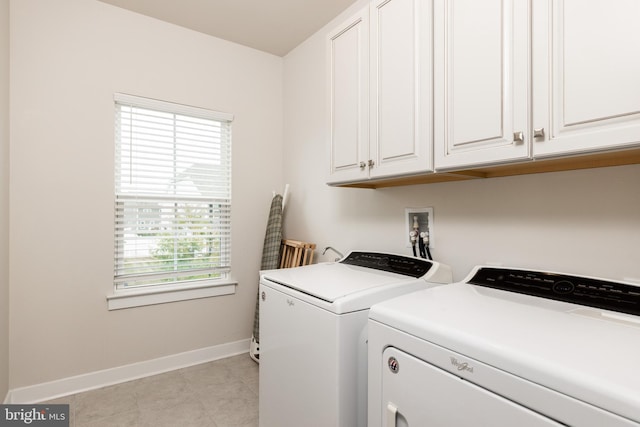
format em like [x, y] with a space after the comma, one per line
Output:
[333, 281]
[587, 353]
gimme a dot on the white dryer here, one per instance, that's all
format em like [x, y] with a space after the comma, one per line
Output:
[507, 347]
[313, 319]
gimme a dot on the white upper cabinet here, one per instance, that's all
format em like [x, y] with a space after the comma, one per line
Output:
[380, 87]
[481, 88]
[401, 87]
[586, 75]
[348, 60]
[451, 85]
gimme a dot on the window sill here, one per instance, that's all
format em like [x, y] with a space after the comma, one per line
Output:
[160, 295]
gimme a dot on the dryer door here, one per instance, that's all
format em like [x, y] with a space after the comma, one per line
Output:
[417, 394]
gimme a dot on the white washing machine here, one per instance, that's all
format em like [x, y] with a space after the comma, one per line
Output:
[507, 347]
[313, 339]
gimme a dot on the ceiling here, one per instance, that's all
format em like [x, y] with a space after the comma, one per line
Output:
[274, 26]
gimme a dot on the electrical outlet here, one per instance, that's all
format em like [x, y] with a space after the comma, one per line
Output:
[424, 219]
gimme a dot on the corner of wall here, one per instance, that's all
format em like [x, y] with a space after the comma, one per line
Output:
[4, 198]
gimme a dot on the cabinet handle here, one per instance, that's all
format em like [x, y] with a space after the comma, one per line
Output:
[362, 165]
[538, 133]
[371, 163]
[518, 137]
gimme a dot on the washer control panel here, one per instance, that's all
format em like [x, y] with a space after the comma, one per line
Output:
[408, 266]
[621, 297]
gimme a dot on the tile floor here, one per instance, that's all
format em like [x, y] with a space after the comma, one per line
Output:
[223, 393]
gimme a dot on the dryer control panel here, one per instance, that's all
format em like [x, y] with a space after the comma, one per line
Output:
[621, 297]
[408, 266]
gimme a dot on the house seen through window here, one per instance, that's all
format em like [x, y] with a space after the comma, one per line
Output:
[172, 194]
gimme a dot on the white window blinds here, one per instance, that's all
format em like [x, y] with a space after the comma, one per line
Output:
[172, 193]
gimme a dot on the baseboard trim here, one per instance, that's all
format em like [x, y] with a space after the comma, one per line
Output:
[93, 380]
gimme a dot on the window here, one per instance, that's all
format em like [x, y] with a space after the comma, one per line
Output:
[172, 195]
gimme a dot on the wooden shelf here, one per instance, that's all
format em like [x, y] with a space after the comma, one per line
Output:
[585, 161]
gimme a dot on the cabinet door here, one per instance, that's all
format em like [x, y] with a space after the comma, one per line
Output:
[401, 87]
[349, 99]
[481, 82]
[586, 75]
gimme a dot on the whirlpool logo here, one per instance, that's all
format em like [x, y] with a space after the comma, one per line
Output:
[461, 366]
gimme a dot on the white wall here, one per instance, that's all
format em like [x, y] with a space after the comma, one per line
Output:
[4, 198]
[68, 57]
[584, 222]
